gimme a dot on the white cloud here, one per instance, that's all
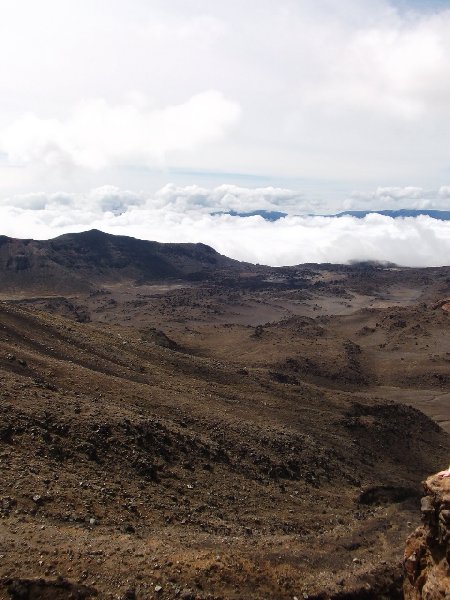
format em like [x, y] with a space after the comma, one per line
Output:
[105, 199]
[96, 135]
[172, 198]
[393, 198]
[230, 197]
[417, 241]
[329, 96]
[109, 198]
[444, 193]
[346, 91]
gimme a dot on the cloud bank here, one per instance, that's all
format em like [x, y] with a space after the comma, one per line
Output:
[400, 197]
[96, 135]
[186, 214]
[197, 200]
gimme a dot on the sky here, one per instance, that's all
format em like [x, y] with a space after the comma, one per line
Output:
[148, 117]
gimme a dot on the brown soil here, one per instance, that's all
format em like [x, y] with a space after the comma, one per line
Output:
[236, 437]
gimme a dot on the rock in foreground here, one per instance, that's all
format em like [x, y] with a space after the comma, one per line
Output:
[427, 554]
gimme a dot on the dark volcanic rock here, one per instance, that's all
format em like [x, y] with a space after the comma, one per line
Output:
[51, 589]
[75, 261]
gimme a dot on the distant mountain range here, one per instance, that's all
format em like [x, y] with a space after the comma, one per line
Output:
[273, 215]
[441, 215]
[268, 215]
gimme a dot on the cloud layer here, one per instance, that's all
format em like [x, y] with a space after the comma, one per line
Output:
[97, 136]
[392, 198]
[186, 215]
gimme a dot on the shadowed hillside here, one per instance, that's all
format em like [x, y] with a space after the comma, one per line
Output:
[73, 262]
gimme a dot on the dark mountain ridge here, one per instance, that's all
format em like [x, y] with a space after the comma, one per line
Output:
[73, 261]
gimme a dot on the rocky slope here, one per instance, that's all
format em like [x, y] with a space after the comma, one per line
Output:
[131, 469]
[427, 553]
[175, 424]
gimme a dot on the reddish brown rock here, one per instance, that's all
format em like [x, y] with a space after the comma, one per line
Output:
[427, 553]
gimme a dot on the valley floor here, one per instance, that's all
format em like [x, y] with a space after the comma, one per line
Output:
[220, 439]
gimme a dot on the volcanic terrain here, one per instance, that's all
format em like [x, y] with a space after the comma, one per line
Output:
[176, 424]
